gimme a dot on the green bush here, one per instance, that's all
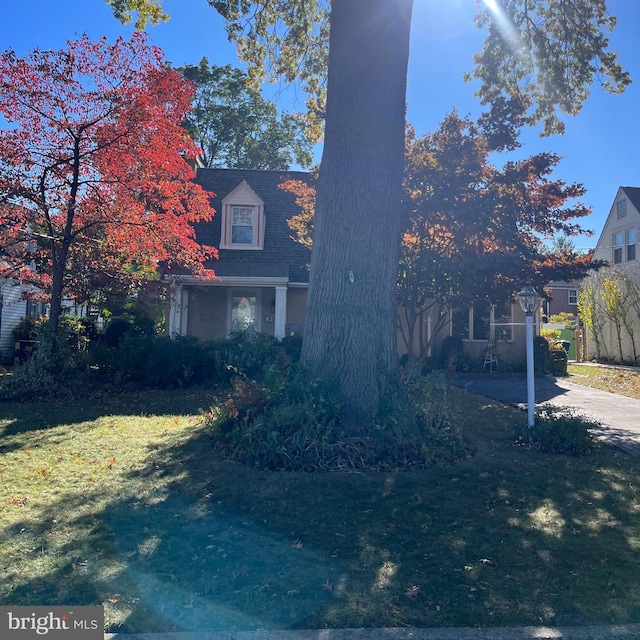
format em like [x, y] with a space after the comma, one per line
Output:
[451, 357]
[26, 329]
[253, 354]
[292, 346]
[161, 362]
[116, 331]
[50, 372]
[563, 430]
[541, 355]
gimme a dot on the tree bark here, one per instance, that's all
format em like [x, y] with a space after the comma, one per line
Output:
[350, 327]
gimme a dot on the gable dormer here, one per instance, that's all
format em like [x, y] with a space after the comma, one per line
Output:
[242, 219]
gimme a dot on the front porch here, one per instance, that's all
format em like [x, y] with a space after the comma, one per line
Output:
[215, 310]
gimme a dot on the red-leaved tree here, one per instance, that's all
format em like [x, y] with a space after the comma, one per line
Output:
[95, 184]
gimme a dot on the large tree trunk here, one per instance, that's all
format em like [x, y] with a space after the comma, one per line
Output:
[350, 328]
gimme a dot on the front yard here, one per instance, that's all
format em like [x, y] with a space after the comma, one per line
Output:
[118, 501]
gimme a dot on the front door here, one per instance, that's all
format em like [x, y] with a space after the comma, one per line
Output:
[244, 310]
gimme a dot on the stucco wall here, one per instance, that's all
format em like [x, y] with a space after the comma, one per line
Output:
[208, 313]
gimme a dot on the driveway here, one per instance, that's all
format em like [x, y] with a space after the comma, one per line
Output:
[618, 415]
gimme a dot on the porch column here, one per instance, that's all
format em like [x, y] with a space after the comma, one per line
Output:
[281, 312]
[178, 311]
[184, 312]
[175, 297]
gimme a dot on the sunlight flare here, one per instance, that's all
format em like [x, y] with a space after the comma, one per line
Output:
[509, 32]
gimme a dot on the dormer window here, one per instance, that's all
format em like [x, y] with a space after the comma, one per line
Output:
[242, 225]
[242, 219]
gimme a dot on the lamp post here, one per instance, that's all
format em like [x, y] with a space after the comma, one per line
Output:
[528, 299]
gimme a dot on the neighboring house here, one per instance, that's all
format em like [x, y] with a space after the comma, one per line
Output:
[618, 240]
[563, 298]
[13, 308]
[262, 273]
[618, 245]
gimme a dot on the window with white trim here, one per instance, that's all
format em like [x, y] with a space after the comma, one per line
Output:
[243, 219]
[482, 321]
[572, 297]
[617, 247]
[631, 245]
[242, 225]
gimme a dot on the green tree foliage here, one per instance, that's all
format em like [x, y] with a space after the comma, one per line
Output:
[350, 326]
[610, 299]
[591, 312]
[541, 57]
[236, 127]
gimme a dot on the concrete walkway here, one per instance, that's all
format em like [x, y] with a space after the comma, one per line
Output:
[618, 415]
[596, 632]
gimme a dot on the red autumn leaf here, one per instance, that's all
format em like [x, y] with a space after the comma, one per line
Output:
[95, 182]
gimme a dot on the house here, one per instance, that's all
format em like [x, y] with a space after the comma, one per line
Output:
[563, 298]
[262, 273]
[13, 308]
[617, 336]
[617, 242]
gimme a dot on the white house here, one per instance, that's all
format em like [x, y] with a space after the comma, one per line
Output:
[618, 333]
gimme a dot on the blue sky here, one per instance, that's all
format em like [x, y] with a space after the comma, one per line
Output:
[601, 148]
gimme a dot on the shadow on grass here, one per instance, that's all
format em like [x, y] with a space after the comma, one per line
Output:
[508, 537]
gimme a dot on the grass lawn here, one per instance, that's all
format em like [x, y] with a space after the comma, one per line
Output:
[622, 381]
[117, 501]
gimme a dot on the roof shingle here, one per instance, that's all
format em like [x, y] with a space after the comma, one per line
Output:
[281, 256]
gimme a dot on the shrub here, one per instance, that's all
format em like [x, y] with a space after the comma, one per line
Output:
[541, 355]
[115, 332]
[292, 346]
[161, 362]
[451, 357]
[46, 374]
[26, 329]
[252, 354]
[563, 430]
[299, 422]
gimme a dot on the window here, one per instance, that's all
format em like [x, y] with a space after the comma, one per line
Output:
[480, 320]
[460, 323]
[572, 297]
[621, 208]
[242, 223]
[483, 321]
[502, 319]
[631, 245]
[243, 311]
[617, 248]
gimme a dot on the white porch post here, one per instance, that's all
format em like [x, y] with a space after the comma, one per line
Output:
[184, 312]
[280, 312]
[178, 310]
[175, 296]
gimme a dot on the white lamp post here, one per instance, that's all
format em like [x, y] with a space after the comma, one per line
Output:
[528, 299]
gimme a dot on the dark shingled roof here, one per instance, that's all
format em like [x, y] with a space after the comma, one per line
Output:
[633, 193]
[281, 256]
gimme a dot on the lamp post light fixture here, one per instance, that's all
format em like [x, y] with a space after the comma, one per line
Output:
[528, 299]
